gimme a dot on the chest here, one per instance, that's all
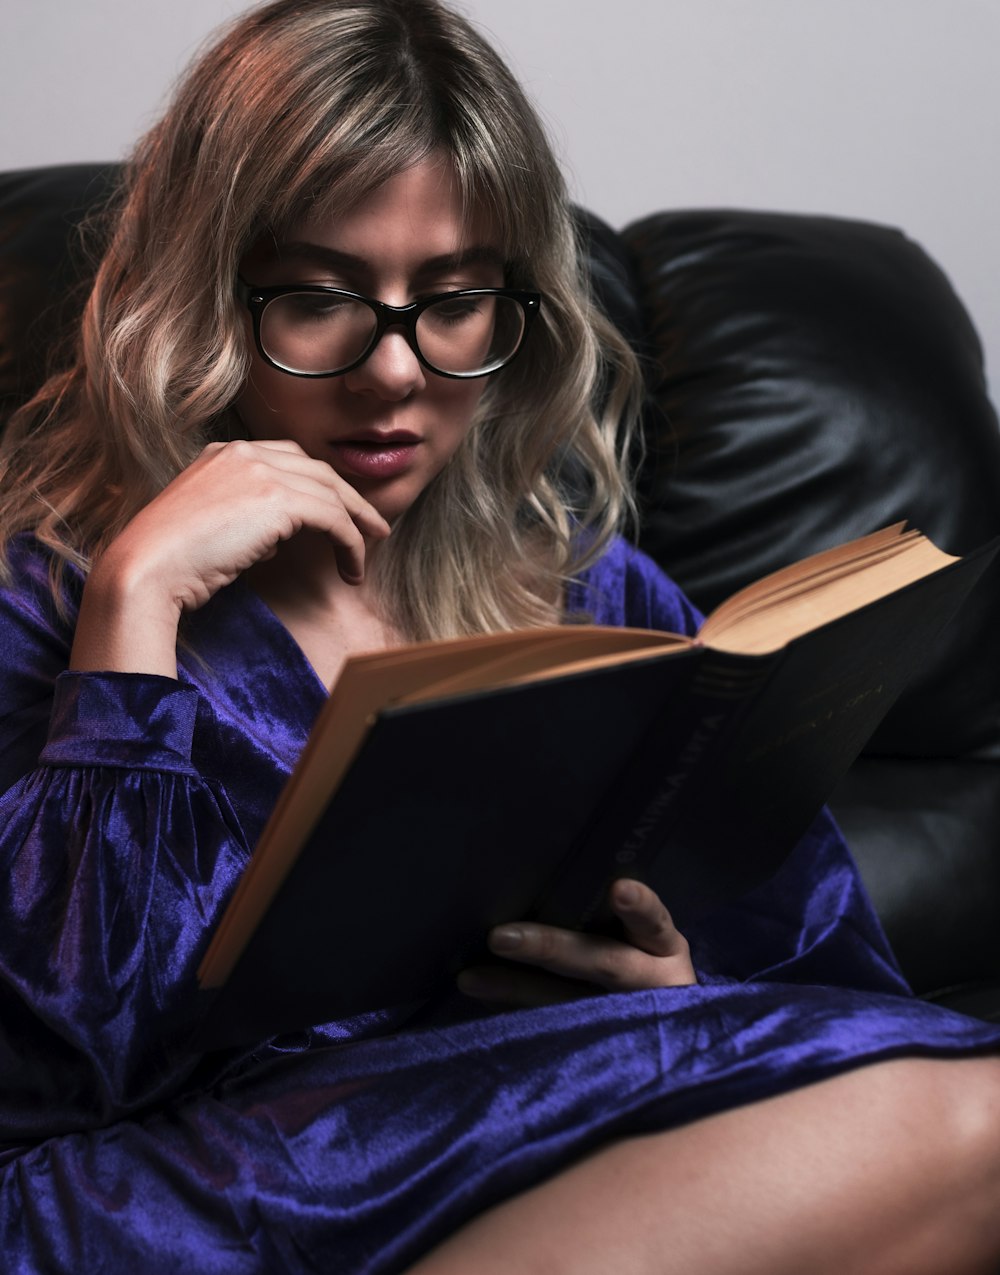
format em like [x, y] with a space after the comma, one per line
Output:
[327, 636]
[325, 617]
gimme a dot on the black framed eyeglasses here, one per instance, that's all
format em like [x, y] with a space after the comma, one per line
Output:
[311, 330]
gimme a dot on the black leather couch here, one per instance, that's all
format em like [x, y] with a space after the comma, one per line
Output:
[811, 379]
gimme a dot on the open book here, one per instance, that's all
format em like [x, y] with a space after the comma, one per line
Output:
[448, 786]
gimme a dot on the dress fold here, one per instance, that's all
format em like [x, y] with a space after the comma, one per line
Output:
[130, 807]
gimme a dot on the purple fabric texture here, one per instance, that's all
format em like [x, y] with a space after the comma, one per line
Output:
[131, 804]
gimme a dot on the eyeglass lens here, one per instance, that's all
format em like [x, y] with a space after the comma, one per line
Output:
[319, 332]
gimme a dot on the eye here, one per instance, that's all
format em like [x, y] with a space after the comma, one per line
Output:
[304, 306]
[450, 312]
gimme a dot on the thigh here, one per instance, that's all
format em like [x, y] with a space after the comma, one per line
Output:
[889, 1169]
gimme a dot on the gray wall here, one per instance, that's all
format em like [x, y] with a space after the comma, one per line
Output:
[885, 109]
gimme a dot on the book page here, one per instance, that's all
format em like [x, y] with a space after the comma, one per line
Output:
[582, 647]
[803, 597]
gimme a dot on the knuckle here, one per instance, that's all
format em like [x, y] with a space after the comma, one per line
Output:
[340, 513]
[239, 448]
[613, 966]
[661, 934]
[347, 530]
[267, 490]
[661, 929]
[545, 945]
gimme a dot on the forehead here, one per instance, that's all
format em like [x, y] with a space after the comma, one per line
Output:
[419, 212]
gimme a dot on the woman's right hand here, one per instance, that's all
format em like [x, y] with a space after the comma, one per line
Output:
[229, 509]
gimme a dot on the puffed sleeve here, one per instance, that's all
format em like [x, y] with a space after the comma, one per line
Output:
[625, 587]
[116, 859]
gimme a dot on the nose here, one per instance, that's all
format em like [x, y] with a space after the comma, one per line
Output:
[392, 370]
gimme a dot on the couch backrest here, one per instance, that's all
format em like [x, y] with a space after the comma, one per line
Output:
[812, 378]
[45, 266]
[816, 378]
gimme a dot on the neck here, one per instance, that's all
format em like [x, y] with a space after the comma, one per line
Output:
[304, 572]
[328, 618]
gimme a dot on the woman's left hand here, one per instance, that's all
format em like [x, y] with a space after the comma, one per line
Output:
[566, 964]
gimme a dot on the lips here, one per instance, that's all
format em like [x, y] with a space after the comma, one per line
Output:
[375, 455]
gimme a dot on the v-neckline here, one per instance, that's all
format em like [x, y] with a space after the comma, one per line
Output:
[243, 656]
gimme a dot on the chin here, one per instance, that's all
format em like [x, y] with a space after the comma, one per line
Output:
[390, 504]
[393, 499]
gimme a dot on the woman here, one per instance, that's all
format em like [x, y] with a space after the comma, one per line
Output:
[333, 390]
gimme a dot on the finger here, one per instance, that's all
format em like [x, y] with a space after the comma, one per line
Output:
[274, 444]
[288, 458]
[363, 516]
[350, 561]
[527, 989]
[648, 924]
[273, 470]
[607, 962]
[319, 511]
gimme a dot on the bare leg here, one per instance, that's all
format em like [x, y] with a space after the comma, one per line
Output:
[890, 1169]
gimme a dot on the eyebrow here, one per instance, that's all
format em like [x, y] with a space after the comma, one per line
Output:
[334, 259]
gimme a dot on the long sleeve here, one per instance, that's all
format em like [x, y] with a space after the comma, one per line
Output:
[359, 1148]
[117, 857]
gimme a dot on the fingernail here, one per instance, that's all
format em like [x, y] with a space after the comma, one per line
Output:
[469, 983]
[506, 938]
[626, 893]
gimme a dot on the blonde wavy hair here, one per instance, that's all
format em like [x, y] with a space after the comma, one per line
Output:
[311, 105]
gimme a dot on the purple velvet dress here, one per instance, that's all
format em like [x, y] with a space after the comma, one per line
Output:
[131, 803]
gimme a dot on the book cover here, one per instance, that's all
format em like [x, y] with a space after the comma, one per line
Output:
[691, 767]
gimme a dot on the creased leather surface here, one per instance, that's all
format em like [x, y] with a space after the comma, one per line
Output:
[818, 378]
[45, 266]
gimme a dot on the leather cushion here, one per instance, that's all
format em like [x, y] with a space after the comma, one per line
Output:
[818, 378]
[45, 266]
[924, 834]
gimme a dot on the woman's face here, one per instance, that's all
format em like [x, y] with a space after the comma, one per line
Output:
[389, 425]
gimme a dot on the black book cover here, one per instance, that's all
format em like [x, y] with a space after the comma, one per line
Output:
[696, 770]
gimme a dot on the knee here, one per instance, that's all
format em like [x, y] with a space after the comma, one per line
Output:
[946, 1114]
[965, 1153]
[971, 1115]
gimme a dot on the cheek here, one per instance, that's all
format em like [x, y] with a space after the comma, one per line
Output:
[460, 408]
[271, 402]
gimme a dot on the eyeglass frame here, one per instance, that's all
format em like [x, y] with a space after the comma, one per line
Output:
[386, 316]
